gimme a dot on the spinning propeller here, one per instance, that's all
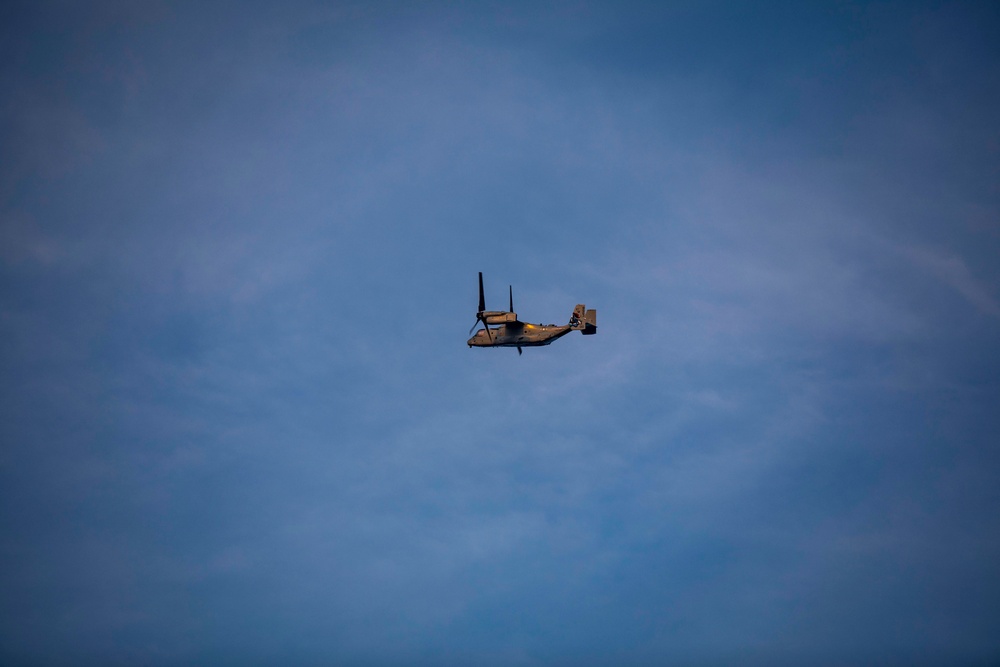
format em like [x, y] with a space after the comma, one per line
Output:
[482, 309]
[482, 315]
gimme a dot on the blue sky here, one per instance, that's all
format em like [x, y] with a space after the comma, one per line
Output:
[238, 255]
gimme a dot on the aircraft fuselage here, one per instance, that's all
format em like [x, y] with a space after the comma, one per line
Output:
[519, 334]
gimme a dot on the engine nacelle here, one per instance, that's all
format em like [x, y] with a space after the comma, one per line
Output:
[499, 317]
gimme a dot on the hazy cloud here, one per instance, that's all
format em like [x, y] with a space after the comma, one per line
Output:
[238, 253]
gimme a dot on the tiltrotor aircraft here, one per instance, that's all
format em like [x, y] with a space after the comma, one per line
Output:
[514, 333]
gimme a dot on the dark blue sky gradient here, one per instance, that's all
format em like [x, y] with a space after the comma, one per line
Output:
[238, 253]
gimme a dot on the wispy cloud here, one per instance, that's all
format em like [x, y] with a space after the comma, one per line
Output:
[953, 272]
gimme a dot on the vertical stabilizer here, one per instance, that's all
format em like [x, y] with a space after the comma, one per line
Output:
[584, 320]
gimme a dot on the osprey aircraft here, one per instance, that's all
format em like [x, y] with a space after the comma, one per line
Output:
[511, 332]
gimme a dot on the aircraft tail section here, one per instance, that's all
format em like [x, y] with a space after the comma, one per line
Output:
[584, 320]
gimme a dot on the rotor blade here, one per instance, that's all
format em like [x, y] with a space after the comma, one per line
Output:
[489, 332]
[519, 350]
[482, 298]
[511, 298]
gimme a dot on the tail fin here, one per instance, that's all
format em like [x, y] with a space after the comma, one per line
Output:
[584, 320]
